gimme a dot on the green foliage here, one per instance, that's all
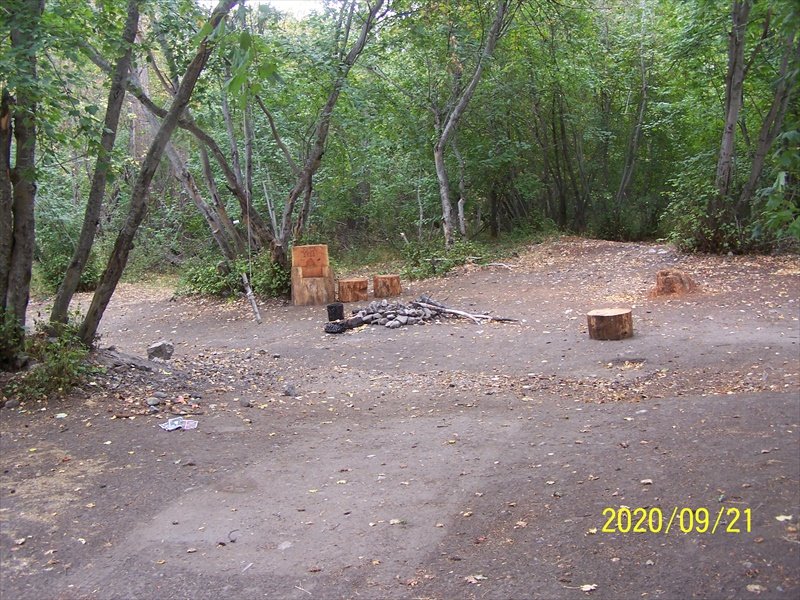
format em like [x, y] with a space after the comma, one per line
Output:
[60, 365]
[782, 209]
[11, 337]
[208, 276]
[267, 277]
[431, 259]
[58, 224]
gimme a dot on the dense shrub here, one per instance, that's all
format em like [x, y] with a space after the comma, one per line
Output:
[208, 276]
[60, 363]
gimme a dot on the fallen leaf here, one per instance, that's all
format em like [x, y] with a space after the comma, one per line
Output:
[191, 551]
[521, 524]
[592, 531]
[783, 518]
[588, 587]
[646, 482]
[467, 513]
[755, 588]
[475, 578]
[396, 521]
[20, 541]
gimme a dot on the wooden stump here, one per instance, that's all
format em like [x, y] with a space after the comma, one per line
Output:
[353, 290]
[385, 286]
[672, 282]
[610, 323]
[312, 277]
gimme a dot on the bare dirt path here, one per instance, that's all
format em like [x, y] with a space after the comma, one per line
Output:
[440, 461]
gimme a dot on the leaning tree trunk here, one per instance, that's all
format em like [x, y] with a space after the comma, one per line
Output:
[303, 183]
[773, 121]
[138, 204]
[734, 81]
[449, 125]
[91, 218]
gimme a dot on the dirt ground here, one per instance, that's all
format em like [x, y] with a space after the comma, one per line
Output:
[439, 461]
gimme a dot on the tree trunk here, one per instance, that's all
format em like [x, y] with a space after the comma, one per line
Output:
[303, 184]
[462, 189]
[6, 196]
[734, 82]
[219, 206]
[773, 121]
[260, 234]
[116, 98]
[24, 42]
[138, 203]
[460, 105]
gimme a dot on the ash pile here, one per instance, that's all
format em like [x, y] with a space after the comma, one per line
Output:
[396, 314]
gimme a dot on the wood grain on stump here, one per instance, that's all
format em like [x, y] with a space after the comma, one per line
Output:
[312, 276]
[672, 282]
[385, 286]
[610, 323]
[353, 290]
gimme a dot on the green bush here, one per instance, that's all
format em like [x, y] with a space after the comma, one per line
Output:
[60, 365]
[10, 338]
[209, 276]
[428, 260]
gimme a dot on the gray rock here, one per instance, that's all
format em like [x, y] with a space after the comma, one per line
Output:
[162, 350]
[13, 403]
[383, 321]
[159, 394]
[153, 401]
[289, 390]
[393, 324]
[402, 319]
[245, 403]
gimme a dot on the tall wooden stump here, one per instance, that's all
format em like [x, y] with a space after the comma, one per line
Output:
[353, 290]
[610, 323]
[384, 286]
[312, 276]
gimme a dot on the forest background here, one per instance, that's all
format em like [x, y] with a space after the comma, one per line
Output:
[146, 136]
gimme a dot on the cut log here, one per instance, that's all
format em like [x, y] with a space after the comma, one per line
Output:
[671, 282]
[385, 286]
[312, 276]
[353, 290]
[610, 323]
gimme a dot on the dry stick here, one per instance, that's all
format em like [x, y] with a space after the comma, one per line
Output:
[461, 313]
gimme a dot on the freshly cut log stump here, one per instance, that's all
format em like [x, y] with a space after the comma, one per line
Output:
[312, 276]
[385, 286]
[353, 290]
[610, 323]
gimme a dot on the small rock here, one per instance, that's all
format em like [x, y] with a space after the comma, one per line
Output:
[162, 350]
[289, 390]
[276, 356]
[13, 403]
[153, 401]
[402, 319]
[159, 395]
[393, 324]
[245, 403]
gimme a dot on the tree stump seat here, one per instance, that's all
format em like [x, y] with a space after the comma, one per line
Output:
[312, 276]
[385, 286]
[610, 323]
[354, 289]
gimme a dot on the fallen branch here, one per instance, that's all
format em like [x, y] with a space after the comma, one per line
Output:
[461, 313]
